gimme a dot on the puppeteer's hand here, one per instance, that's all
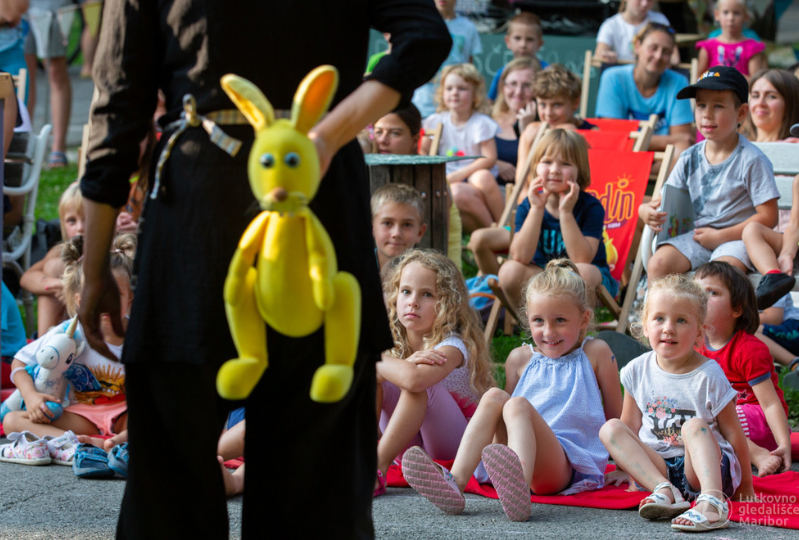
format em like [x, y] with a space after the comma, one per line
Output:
[100, 297]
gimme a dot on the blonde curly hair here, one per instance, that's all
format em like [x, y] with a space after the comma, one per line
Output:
[454, 315]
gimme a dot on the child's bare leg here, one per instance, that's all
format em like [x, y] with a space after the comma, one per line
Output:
[18, 421]
[778, 352]
[702, 465]
[667, 260]
[50, 312]
[485, 426]
[762, 245]
[234, 482]
[471, 205]
[590, 274]
[762, 459]
[636, 458]
[735, 262]
[546, 468]
[485, 244]
[231, 443]
[512, 277]
[488, 187]
[404, 424]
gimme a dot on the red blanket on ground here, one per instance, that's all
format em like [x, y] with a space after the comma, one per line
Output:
[779, 493]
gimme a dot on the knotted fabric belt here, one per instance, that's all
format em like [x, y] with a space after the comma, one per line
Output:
[189, 118]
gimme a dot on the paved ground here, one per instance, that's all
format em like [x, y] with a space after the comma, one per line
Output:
[51, 503]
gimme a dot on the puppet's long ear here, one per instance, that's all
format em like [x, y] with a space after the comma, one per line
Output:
[313, 97]
[250, 101]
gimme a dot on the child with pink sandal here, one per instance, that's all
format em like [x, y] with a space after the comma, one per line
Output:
[547, 432]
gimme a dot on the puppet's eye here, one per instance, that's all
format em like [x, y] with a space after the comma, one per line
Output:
[292, 159]
[267, 161]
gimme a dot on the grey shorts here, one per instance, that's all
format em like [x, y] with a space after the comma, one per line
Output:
[699, 255]
[56, 46]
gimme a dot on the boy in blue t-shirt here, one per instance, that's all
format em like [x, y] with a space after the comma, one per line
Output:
[465, 46]
[524, 38]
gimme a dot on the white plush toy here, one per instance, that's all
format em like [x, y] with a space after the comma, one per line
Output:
[60, 346]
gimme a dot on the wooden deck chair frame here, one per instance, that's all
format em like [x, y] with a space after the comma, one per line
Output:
[591, 61]
[507, 218]
[622, 312]
[785, 160]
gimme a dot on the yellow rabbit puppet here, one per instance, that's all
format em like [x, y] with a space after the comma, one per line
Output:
[295, 286]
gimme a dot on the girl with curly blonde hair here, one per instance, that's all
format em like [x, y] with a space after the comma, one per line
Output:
[430, 382]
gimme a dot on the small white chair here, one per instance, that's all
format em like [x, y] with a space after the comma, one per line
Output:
[18, 257]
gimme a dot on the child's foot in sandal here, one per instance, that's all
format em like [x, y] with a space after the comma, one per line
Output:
[505, 471]
[432, 481]
[665, 502]
[57, 159]
[709, 514]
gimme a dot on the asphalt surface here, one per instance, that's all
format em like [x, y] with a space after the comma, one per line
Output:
[49, 502]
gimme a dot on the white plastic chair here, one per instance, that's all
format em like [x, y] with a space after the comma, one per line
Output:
[18, 258]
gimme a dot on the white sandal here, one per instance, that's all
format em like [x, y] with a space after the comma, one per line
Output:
[699, 522]
[662, 507]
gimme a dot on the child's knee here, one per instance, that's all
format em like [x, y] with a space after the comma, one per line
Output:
[511, 276]
[612, 428]
[663, 263]
[495, 397]
[752, 231]
[590, 274]
[694, 427]
[517, 406]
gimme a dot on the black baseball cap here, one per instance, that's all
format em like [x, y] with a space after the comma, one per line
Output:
[718, 78]
[795, 130]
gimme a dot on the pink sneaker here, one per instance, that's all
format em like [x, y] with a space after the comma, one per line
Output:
[27, 449]
[505, 471]
[62, 449]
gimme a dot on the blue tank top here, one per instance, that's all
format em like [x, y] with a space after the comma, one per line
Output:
[565, 393]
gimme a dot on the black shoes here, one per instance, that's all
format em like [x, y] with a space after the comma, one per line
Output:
[773, 287]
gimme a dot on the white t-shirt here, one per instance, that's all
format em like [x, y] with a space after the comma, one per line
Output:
[619, 34]
[462, 140]
[726, 194]
[94, 379]
[668, 400]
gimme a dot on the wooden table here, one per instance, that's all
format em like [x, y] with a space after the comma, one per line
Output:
[428, 175]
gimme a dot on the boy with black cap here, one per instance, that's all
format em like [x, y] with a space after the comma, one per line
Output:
[730, 181]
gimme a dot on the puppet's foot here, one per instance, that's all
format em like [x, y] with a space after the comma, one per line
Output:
[331, 383]
[237, 377]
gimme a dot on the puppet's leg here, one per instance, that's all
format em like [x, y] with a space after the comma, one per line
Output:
[237, 377]
[342, 331]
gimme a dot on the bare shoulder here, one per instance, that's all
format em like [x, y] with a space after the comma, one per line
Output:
[598, 352]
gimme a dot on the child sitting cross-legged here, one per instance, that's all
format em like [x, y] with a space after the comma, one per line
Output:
[97, 404]
[729, 180]
[731, 323]
[679, 434]
[546, 435]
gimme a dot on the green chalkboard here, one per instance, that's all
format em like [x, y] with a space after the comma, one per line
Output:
[566, 50]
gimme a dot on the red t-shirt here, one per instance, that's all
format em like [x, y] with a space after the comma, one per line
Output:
[746, 362]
